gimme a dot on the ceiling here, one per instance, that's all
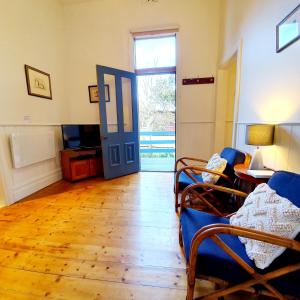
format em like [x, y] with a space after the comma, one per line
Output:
[73, 1]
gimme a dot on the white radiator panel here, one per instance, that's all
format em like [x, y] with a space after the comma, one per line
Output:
[27, 149]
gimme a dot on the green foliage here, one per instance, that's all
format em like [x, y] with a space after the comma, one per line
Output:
[157, 102]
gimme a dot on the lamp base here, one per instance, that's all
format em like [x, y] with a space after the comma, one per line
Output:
[256, 161]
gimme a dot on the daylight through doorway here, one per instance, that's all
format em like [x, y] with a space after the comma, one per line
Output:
[156, 70]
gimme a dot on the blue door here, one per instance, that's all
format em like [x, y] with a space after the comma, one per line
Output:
[119, 121]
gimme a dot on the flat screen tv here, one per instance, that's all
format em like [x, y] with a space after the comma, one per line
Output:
[81, 136]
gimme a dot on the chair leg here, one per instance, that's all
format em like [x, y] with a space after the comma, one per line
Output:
[180, 238]
[190, 284]
[176, 201]
[219, 286]
[190, 291]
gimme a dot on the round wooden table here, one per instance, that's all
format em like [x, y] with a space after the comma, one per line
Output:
[245, 182]
[241, 173]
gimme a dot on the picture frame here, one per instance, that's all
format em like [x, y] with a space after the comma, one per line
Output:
[38, 83]
[94, 95]
[288, 30]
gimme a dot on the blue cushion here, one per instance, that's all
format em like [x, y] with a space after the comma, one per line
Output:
[233, 157]
[185, 180]
[212, 260]
[286, 184]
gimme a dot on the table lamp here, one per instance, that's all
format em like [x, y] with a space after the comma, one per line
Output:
[259, 135]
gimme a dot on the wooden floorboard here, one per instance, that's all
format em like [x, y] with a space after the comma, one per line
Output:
[95, 239]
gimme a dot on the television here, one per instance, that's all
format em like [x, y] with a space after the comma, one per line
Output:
[81, 136]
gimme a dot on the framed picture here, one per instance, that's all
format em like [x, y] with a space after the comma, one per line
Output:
[94, 95]
[288, 30]
[38, 83]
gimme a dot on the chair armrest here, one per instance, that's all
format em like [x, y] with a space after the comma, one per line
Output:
[214, 229]
[207, 186]
[182, 160]
[197, 171]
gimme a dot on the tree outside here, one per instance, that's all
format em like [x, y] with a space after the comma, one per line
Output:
[157, 113]
[157, 102]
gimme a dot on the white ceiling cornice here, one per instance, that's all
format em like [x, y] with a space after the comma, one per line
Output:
[65, 2]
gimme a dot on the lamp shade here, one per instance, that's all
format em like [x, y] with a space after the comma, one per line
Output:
[260, 134]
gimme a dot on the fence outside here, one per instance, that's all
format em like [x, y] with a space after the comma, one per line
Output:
[157, 142]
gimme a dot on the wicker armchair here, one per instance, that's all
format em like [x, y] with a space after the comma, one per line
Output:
[214, 252]
[186, 173]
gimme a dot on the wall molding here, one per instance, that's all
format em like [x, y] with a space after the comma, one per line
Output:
[197, 122]
[34, 185]
[284, 154]
[275, 123]
[29, 124]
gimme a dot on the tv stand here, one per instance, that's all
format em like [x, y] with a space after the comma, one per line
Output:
[81, 163]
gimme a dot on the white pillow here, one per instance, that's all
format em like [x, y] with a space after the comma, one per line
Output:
[264, 210]
[216, 163]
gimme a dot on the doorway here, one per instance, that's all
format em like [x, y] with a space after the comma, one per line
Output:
[155, 66]
[226, 105]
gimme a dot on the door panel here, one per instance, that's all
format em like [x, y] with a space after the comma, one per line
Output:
[114, 155]
[130, 154]
[119, 121]
[127, 104]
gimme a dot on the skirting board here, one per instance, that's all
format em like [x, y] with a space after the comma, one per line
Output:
[33, 185]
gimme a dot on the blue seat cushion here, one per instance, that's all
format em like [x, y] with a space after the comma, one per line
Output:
[233, 157]
[286, 184]
[287, 284]
[185, 180]
[212, 260]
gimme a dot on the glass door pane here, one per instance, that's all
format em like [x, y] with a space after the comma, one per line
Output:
[127, 104]
[111, 103]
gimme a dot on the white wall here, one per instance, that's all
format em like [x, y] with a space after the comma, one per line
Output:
[31, 32]
[98, 32]
[269, 83]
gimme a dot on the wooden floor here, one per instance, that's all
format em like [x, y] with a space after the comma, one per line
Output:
[95, 240]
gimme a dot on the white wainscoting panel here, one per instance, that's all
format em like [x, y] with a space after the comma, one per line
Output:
[284, 154]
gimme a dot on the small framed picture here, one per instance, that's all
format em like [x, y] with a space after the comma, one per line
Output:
[94, 94]
[38, 83]
[288, 30]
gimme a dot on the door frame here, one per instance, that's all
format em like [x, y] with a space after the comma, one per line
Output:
[222, 89]
[152, 34]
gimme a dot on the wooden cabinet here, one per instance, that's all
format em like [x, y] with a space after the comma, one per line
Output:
[80, 169]
[80, 164]
[95, 166]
